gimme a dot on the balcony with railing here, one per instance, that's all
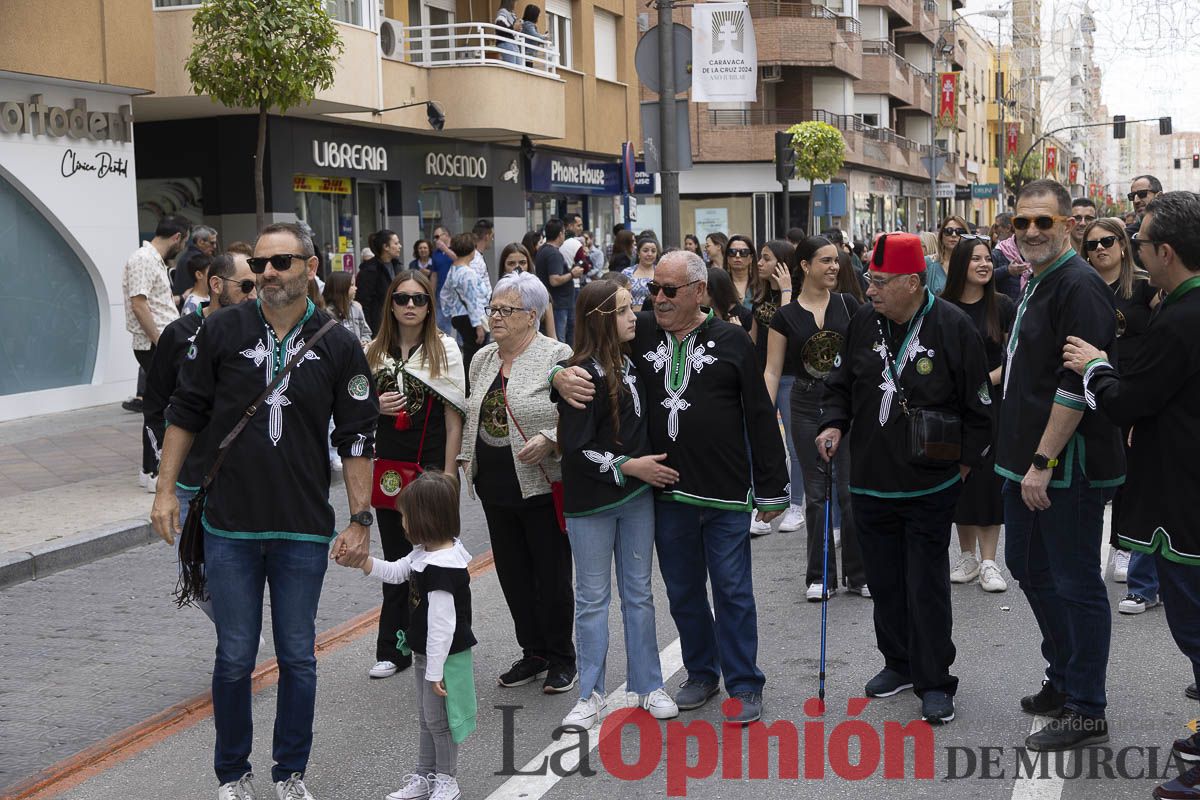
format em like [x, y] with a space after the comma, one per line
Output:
[924, 22]
[806, 35]
[900, 11]
[886, 72]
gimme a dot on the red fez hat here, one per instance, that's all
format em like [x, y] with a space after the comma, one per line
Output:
[898, 254]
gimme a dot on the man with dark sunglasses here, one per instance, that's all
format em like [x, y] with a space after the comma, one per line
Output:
[267, 518]
[1061, 461]
[1142, 190]
[706, 401]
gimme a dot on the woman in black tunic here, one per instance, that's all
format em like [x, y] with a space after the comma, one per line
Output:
[1107, 248]
[418, 373]
[980, 512]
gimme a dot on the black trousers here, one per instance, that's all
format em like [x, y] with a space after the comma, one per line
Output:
[904, 545]
[533, 563]
[152, 435]
[466, 330]
[394, 615]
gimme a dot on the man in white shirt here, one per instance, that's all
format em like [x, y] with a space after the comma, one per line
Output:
[484, 236]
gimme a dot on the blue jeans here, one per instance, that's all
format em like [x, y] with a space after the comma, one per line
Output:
[509, 47]
[184, 496]
[696, 545]
[783, 404]
[564, 324]
[1143, 577]
[236, 570]
[1181, 602]
[628, 531]
[1054, 555]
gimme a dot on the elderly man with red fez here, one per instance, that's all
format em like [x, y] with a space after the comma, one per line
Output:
[911, 386]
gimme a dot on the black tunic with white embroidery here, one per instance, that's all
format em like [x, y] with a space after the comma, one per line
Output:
[161, 379]
[274, 484]
[940, 363]
[593, 451]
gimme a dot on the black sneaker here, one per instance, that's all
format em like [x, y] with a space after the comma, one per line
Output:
[1188, 749]
[524, 670]
[1069, 731]
[560, 679]
[133, 404]
[937, 707]
[1048, 702]
[693, 694]
[887, 683]
[1185, 787]
[1192, 692]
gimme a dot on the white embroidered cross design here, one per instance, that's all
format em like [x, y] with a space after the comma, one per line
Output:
[630, 380]
[278, 400]
[911, 351]
[258, 355]
[695, 358]
[605, 460]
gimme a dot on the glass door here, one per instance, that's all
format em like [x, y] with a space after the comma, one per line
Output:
[372, 214]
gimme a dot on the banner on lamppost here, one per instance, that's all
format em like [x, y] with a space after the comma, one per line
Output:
[1073, 173]
[1051, 160]
[1011, 136]
[724, 54]
[947, 98]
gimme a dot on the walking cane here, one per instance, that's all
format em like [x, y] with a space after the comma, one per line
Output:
[825, 568]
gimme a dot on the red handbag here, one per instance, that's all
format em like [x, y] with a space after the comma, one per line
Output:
[556, 487]
[390, 477]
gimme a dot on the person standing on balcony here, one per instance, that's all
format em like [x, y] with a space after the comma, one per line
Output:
[534, 39]
[507, 22]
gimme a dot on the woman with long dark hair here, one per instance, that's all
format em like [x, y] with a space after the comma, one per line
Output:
[418, 372]
[810, 332]
[714, 249]
[850, 280]
[739, 261]
[980, 511]
[608, 473]
[339, 302]
[623, 254]
[641, 273]
[692, 245]
[725, 303]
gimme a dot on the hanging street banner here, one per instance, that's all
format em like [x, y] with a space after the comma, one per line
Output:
[1051, 160]
[1073, 173]
[1012, 134]
[724, 54]
[947, 99]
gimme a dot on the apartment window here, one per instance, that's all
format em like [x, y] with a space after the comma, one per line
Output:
[871, 119]
[558, 20]
[345, 10]
[606, 45]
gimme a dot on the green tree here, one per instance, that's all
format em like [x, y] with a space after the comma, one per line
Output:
[820, 152]
[1014, 181]
[262, 54]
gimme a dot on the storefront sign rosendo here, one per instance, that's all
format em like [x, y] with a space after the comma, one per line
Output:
[339, 155]
[443, 165]
[35, 118]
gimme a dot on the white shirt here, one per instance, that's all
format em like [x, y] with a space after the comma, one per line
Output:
[481, 269]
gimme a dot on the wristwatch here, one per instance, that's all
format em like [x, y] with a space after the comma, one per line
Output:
[1042, 462]
[364, 518]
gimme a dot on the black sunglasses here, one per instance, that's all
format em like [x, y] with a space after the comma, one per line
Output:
[402, 299]
[735, 252]
[247, 286]
[1104, 241]
[1140, 194]
[955, 231]
[282, 262]
[654, 288]
[1044, 222]
[1138, 240]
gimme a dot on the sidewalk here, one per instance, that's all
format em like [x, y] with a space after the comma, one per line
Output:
[69, 490]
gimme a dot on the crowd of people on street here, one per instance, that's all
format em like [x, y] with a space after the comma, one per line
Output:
[610, 406]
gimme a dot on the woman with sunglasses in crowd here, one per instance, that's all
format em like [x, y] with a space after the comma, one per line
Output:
[951, 230]
[642, 272]
[418, 373]
[806, 337]
[739, 262]
[980, 510]
[1107, 248]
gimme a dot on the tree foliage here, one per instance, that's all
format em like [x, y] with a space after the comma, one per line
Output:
[820, 150]
[263, 54]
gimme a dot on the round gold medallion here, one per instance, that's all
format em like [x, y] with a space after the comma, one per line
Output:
[820, 353]
[924, 366]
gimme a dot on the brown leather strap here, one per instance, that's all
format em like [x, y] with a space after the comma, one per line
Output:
[252, 409]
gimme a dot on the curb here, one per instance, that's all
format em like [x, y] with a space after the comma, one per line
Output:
[73, 551]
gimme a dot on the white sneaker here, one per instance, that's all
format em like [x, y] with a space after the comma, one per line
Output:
[864, 591]
[1120, 572]
[792, 519]
[416, 787]
[445, 787]
[1136, 604]
[142, 478]
[966, 570]
[813, 595]
[760, 528]
[383, 669]
[335, 463]
[241, 789]
[990, 578]
[659, 704]
[586, 712]
[152, 483]
[292, 789]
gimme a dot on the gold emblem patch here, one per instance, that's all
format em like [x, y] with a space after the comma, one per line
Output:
[389, 483]
[924, 366]
[820, 353]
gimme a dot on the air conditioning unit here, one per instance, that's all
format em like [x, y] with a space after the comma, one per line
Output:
[391, 39]
[771, 73]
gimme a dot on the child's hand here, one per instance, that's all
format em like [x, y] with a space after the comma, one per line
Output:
[362, 562]
[439, 688]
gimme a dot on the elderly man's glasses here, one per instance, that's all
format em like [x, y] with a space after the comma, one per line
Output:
[879, 283]
[1043, 222]
[670, 291]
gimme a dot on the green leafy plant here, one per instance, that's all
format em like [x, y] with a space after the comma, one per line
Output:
[820, 152]
[263, 54]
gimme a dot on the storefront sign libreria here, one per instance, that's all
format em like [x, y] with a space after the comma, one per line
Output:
[362, 157]
[35, 118]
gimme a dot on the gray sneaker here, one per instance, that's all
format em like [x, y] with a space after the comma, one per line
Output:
[750, 711]
[693, 694]
[241, 789]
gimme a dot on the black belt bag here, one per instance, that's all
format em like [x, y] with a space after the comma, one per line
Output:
[934, 437]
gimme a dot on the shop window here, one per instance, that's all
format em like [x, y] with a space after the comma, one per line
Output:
[558, 22]
[606, 45]
[50, 325]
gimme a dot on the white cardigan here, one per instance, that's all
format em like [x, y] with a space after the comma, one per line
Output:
[528, 399]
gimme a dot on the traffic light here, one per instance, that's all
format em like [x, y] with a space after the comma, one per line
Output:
[1177, 163]
[785, 157]
[1164, 126]
[1196, 161]
[1118, 126]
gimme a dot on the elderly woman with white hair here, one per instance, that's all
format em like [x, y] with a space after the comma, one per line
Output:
[509, 456]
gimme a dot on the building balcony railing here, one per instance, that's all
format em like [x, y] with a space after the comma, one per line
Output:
[477, 44]
[790, 8]
[738, 118]
[925, 23]
[806, 35]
